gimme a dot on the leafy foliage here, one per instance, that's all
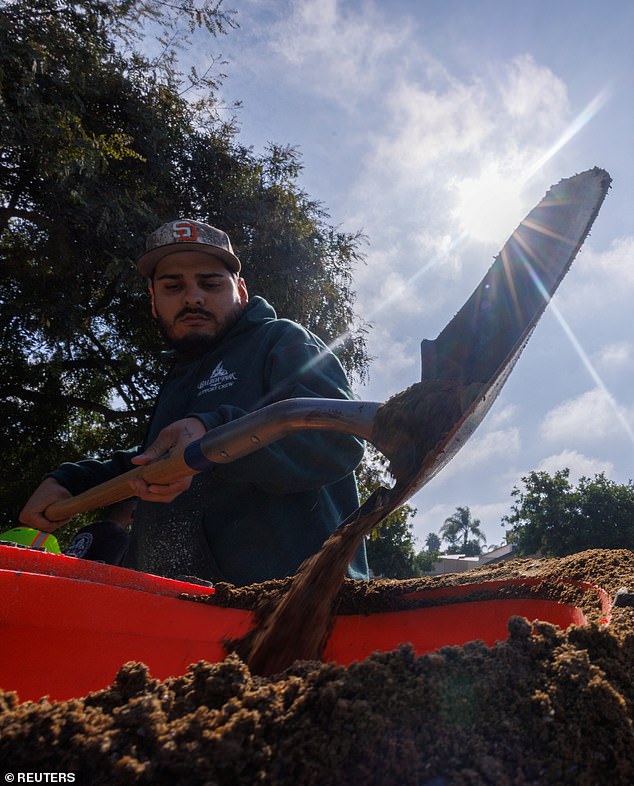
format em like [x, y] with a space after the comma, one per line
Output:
[390, 547]
[433, 543]
[463, 533]
[552, 517]
[424, 562]
[100, 144]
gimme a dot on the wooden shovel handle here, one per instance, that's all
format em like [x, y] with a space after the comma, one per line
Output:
[165, 470]
[229, 442]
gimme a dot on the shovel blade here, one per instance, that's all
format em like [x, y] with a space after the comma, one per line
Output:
[482, 343]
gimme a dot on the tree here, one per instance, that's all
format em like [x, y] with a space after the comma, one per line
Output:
[552, 517]
[99, 144]
[390, 547]
[433, 542]
[458, 528]
[424, 562]
[425, 559]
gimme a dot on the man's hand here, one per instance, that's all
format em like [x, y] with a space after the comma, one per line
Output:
[32, 514]
[174, 437]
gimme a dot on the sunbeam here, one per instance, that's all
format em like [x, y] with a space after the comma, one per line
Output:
[397, 292]
[592, 371]
[586, 114]
[573, 128]
[581, 352]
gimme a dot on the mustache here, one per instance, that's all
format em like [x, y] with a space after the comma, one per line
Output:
[188, 310]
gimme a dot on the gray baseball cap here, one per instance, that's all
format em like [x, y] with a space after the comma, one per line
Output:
[185, 234]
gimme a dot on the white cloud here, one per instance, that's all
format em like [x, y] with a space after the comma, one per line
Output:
[419, 126]
[395, 360]
[578, 464]
[617, 261]
[533, 97]
[504, 442]
[489, 128]
[591, 417]
[604, 279]
[502, 416]
[429, 124]
[449, 118]
[480, 450]
[385, 287]
[334, 52]
[430, 520]
[615, 356]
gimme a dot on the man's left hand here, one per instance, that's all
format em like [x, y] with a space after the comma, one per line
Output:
[172, 438]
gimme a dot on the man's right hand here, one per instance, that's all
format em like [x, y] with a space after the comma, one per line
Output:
[32, 514]
[171, 439]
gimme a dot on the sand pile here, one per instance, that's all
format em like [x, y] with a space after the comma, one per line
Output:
[544, 707]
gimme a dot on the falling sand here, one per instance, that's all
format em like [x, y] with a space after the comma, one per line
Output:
[411, 429]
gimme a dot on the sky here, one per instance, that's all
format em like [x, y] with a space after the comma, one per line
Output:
[434, 126]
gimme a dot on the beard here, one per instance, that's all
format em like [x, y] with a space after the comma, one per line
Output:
[198, 342]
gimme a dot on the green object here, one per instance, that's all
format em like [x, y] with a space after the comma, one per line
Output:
[33, 538]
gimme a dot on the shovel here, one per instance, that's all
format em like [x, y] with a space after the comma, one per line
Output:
[418, 430]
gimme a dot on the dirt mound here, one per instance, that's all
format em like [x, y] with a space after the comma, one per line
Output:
[544, 707]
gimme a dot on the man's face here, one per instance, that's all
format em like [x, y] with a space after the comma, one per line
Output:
[195, 299]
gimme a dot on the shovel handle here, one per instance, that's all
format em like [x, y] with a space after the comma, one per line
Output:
[165, 470]
[226, 443]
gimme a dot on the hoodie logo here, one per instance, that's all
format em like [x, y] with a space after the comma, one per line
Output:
[219, 379]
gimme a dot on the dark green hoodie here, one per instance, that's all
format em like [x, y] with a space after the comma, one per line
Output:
[259, 517]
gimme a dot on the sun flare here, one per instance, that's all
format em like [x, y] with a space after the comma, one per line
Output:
[489, 207]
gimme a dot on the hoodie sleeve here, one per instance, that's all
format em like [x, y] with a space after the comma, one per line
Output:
[83, 475]
[297, 366]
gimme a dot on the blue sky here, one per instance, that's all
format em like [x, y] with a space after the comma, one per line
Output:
[434, 127]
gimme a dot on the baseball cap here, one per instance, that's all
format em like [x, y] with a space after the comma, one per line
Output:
[185, 234]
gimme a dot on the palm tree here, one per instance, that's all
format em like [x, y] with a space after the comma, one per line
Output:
[460, 526]
[432, 541]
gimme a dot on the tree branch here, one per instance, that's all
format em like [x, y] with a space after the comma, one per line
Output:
[111, 415]
[7, 213]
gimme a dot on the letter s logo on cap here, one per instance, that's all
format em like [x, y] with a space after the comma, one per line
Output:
[185, 232]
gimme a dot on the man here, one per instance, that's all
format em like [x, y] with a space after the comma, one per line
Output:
[105, 540]
[259, 517]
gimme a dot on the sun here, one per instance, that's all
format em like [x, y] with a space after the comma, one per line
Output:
[489, 207]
